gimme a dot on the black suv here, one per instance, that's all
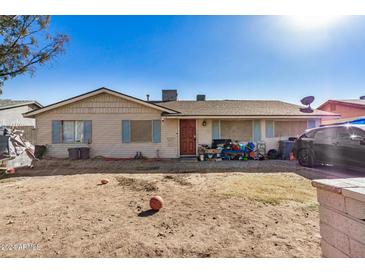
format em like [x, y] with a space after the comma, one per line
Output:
[342, 145]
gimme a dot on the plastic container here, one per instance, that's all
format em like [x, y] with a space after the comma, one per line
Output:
[84, 153]
[39, 151]
[285, 147]
[74, 153]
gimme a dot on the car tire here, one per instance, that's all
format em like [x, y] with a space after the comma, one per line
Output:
[306, 158]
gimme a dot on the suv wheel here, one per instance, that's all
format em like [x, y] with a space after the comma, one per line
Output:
[306, 158]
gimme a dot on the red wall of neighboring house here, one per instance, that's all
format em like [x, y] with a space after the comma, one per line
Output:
[346, 111]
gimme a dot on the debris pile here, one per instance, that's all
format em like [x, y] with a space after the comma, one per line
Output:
[15, 150]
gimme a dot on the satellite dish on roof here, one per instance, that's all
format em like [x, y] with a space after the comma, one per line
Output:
[306, 109]
[307, 101]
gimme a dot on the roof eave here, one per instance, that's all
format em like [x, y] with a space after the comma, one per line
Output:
[22, 104]
[341, 102]
[93, 93]
[256, 116]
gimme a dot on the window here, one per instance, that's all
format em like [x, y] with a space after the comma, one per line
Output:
[358, 132]
[79, 131]
[215, 129]
[289, 128]
[70, 132]
[236, 130]
[350, 134]
[141, 131]
[325, 136]
[269, 128]
[309, 134]
[311, 123]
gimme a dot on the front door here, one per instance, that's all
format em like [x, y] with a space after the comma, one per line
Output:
[187, 137]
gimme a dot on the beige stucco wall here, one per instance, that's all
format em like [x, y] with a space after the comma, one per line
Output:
[14, 117]
[204, 133]
[106, 113]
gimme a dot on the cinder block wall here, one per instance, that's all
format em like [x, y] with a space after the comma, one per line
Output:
[342, 217]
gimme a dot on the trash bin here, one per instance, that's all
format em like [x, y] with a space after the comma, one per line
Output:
[285, 147]
[39, 151]
[84, 153]
[74, 153]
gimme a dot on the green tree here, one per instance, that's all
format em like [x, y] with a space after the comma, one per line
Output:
[25, 43]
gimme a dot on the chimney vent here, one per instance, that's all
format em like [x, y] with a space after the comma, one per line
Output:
[362, 97]
[200, 97]
[169, 95]
[148, 97]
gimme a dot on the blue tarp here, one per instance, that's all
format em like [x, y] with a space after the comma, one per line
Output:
[358, 122]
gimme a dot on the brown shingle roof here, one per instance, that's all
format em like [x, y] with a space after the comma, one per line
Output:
[239, 108]
[352, 101]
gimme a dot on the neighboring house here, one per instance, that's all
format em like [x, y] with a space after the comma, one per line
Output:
[11, 115]
[116, 125]
[349, 110]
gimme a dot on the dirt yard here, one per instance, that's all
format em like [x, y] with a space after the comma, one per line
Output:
[222, 214]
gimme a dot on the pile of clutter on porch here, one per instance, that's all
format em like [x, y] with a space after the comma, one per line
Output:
[226, 149]
[15, 150]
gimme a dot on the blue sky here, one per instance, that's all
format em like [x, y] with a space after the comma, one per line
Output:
[224, 57]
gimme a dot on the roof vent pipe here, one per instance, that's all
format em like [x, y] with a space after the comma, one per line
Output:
[148, 97]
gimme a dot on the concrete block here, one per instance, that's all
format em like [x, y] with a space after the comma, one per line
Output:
[357, 250]
[355, 208]
[354, 228]
[356, 193]
[335, 238]
[336, 185]
[334, 219]
[329, 251]
[331, 199]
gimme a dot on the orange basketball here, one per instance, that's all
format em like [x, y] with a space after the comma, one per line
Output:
[104, 181]
[156, 203]
[10, 171]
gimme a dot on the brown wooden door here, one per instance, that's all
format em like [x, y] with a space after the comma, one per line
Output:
[187, 137]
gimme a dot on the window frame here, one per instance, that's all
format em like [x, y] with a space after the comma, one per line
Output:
[131, 135]
[74, 132]
[131, 141]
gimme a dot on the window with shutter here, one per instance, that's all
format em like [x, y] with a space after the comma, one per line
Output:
[156, 128]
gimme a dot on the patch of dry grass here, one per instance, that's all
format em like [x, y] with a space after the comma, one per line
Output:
[8, 180]
[180, 179]
[136, 184]
[271, 188]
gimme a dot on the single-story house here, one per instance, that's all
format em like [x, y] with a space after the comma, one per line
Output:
[114, 124]
[350, 110]
[11, 115]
